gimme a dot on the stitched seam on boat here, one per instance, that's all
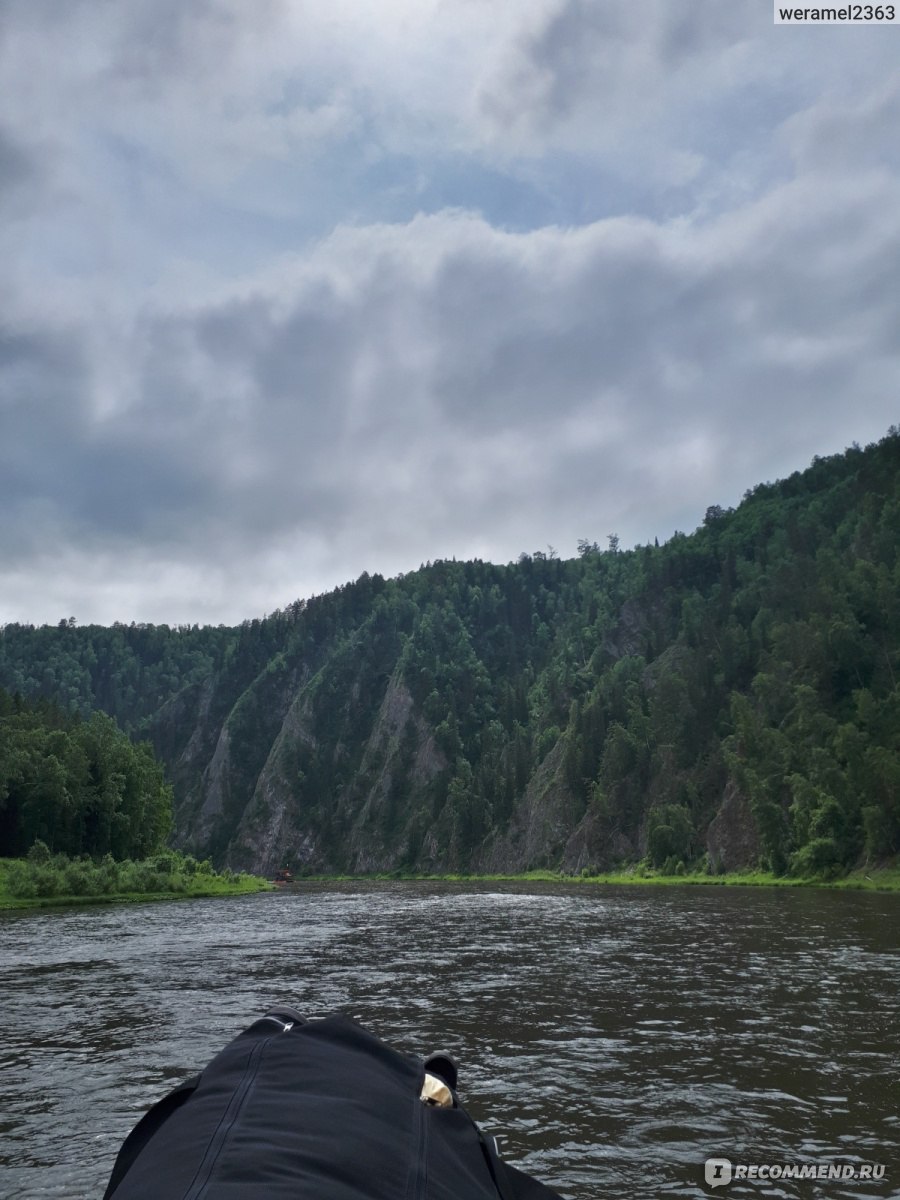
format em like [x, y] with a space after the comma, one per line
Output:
[226, 1123]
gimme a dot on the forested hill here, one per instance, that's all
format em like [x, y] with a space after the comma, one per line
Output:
[731, 694]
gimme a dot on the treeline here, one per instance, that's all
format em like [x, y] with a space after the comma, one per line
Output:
[79, 786]
[126, 671]
[423, 721]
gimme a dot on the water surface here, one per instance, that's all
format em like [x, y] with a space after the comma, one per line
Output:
[615, 1038]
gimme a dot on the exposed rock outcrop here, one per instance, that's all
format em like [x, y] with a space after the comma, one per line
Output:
[732, 840]
[540, 823]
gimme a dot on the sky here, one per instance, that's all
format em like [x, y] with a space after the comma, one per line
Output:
[293, 290]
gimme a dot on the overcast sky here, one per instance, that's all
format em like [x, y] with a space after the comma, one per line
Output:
[294, 289]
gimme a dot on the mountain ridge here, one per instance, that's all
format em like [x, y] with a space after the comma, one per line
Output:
[729, 697]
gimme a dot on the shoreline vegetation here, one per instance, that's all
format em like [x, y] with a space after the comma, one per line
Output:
[56, 881]
[45, 880]
[885, 878]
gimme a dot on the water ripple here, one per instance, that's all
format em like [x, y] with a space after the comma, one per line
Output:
[615, 1038]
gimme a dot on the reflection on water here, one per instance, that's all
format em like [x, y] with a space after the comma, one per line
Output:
[615, 1038]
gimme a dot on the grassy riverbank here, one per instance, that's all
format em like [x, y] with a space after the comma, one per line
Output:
[882, 879]
[870, 879]
[52, 881]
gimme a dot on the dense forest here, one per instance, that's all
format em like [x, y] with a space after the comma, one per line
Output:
[78, 786]
[728, 698]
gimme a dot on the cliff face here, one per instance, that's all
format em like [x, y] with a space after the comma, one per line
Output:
[540, 825]
[365, 828]
[329, 764]
[332, 769]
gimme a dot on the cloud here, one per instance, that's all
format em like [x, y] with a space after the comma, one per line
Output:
[296, 292]
[836, 135]
[404, 389]
[18, 171]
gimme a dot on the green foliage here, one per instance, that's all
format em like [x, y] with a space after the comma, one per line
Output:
[628, 687]
[76, 787]
[821, 856]
[39, 854]
[127, 670]
[670, 836]
[42, 876]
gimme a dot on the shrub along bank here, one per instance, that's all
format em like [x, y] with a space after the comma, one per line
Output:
[43, 878]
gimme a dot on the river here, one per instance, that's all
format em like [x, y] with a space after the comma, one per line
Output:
[615, 1038]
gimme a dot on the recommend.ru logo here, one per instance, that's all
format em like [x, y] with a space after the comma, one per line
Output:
[719, 1171]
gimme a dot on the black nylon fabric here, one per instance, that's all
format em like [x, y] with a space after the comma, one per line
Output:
[320, 1109]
